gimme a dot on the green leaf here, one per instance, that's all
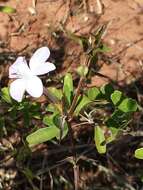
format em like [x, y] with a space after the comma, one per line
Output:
[5, 95]
[107, 90]
[22, 153]
[118, 119]
[116, 97]
[29, 174]
[26, 113]
[82, 70]
[103, 49]
[113, 134]
[84, 101]
[93, 93]
[59, 122]
[42, 135]
[48, 120]
[56, 92]
[35, 110]
[54, 108]
[128, 105]
[68, 88]
[99, 139]
[139, 153]
[7, 9]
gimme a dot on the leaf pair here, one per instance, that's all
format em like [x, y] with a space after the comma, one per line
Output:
[57, 128]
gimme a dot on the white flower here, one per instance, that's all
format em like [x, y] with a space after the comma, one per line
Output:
[26, 76]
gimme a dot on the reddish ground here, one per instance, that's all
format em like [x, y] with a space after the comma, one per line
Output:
[32, 27]
[23, 31]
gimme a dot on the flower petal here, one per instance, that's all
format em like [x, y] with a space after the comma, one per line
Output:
[44, 68]
[19, 68]
[17, 89]
[13, 68]
[34, 86]
[39, 57]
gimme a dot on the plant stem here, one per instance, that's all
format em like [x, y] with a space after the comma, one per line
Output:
[74, 102]
[76, 176]
[73, 150]
[69, 121]
[70, 116]
[79, 87]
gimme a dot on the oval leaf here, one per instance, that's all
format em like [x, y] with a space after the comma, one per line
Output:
[56, 120]
[118, 119]
[139, 153]
[128, 105]
[82, 70]
[68, 88]
[99, 139]
[84, 101]
[116, 97]
[42, 135]
[7, 9]
[93, 93]
[56, 92]
[5, 95]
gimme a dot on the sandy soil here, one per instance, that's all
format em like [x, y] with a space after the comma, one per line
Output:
[31, 27]
[35, 25]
